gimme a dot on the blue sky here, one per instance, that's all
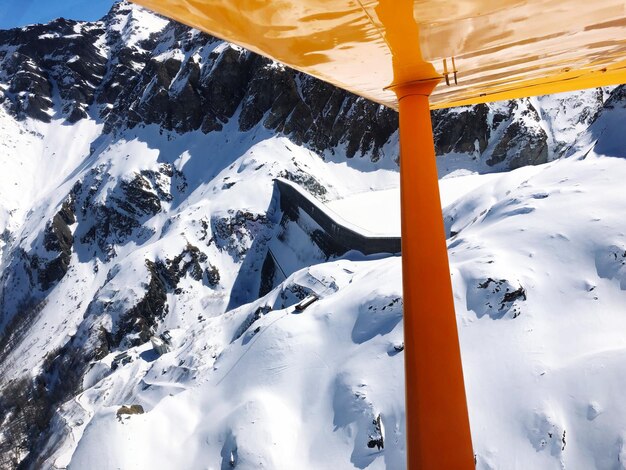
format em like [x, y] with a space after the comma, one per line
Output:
[22, 12]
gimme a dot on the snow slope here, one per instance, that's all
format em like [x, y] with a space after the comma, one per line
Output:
[537, 259]
[281, 394]
[544, 371]
[212, 189]
[378, 211]
[112, 230]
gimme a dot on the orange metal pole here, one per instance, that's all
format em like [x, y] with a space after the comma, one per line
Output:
[437, 424]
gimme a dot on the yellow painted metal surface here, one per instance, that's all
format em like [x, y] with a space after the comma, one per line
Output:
[500, 49]
[437, 423]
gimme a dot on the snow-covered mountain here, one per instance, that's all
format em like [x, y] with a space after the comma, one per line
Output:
[137, 197]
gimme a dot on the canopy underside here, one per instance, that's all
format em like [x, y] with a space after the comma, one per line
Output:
[499, 49]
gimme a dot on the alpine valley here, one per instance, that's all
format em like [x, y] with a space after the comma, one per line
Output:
[172, 297]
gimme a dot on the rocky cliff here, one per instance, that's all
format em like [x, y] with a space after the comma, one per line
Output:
[133, 68]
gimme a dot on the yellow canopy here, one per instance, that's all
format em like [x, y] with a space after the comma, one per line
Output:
[499, 49]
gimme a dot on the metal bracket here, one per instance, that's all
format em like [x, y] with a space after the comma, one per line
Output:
[446, 73]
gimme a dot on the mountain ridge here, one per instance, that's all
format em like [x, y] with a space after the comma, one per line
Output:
[184, 80]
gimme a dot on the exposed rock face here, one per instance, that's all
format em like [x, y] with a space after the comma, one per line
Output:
[313, 112]
[466, 131]
[235, 232]
[41, 58]
[522, 143]
[134, 325]
[128, 74]
[30, 274]
[58, 238]
[129, 410]
[113, 220]
[181, 80]
[497, 298]
[138, 323]
[308, 182]
[188, 262]
[508, 135]
[109, 217]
